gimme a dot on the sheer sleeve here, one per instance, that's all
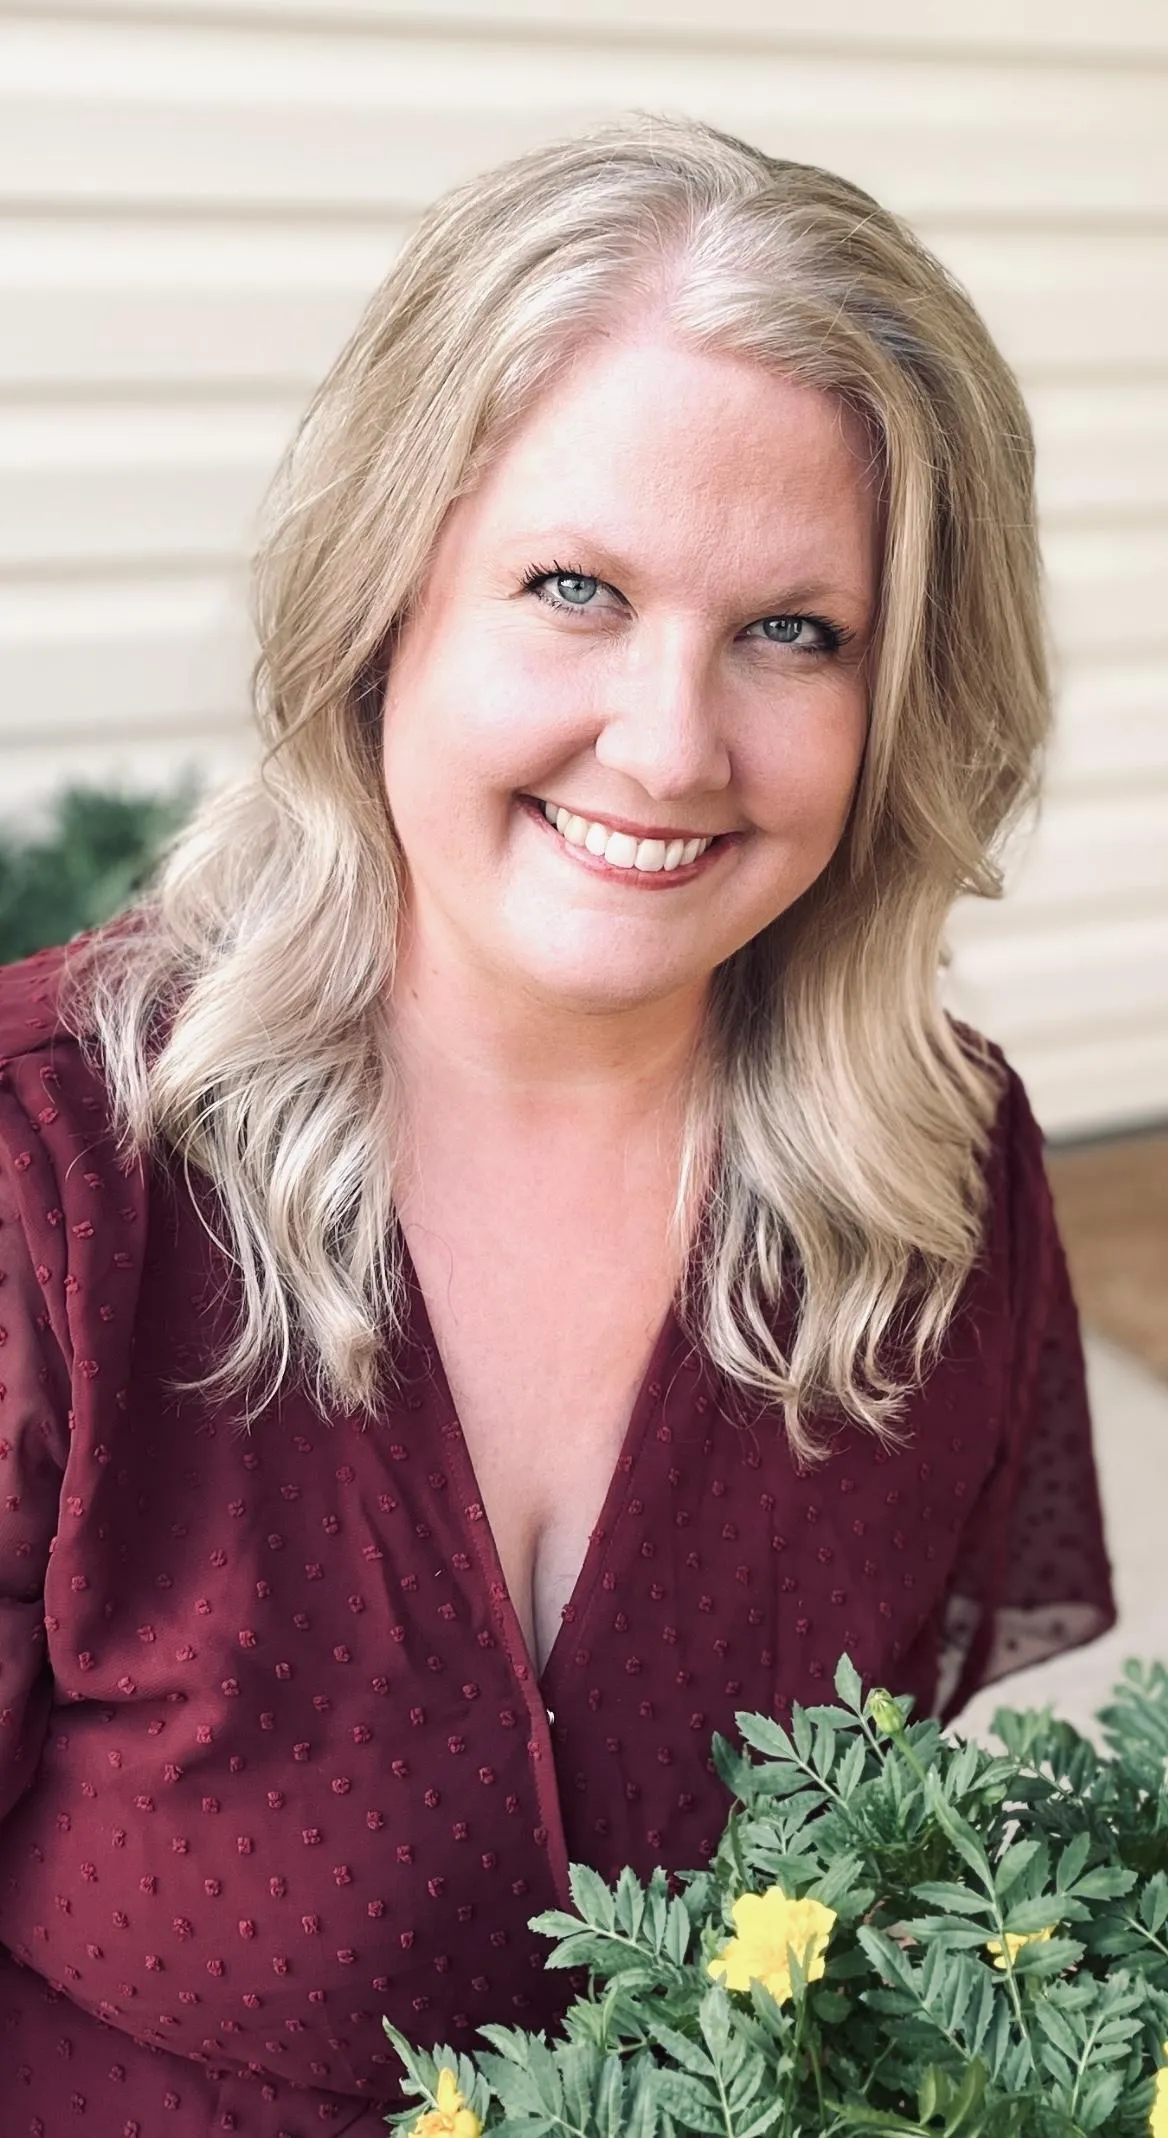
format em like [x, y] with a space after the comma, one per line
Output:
[1033, 1577]
[34, 1411]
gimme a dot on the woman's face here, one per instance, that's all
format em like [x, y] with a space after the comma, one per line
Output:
[624, 725]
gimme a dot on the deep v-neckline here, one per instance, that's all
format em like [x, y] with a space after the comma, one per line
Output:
[456, 1454]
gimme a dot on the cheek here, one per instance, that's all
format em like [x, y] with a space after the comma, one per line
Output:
[432, 738]
[530, 710]
[485, 714]
[798, 775]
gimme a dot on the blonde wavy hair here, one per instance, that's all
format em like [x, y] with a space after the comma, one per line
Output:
[242, 1020]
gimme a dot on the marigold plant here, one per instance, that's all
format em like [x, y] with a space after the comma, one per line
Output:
[898, 1932]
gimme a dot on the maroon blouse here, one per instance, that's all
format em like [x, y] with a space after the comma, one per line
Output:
[274, 1759]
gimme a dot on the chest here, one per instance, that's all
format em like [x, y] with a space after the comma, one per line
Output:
[544, 1355]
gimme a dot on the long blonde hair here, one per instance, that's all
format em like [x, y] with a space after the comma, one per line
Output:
[242, 1019]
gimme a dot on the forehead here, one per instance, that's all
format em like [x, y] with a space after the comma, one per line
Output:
[694, 457]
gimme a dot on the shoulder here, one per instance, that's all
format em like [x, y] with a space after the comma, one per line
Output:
[74, 1205]
[58, 1142]
[46, 1068]
[1022, 1253]
[1018, 1155]
[1013, 1153]
[31, 1018]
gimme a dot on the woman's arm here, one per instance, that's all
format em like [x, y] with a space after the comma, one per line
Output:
[1034, 1577]
[34, 1431]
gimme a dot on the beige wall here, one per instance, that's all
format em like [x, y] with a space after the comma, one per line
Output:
[196, 196]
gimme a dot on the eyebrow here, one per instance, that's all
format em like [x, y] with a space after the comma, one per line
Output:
[789, 600]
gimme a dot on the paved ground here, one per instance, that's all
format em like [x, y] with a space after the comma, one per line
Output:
[1130, 1408]
[1112, 1203]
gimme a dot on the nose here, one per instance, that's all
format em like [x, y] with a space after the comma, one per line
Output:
[662, 724]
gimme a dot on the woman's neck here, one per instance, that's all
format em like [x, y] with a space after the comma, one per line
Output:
[461, 1039]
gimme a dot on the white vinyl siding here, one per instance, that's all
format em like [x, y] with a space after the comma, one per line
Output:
[198, 195]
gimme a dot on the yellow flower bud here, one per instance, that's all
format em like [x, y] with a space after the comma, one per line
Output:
[884, 1712]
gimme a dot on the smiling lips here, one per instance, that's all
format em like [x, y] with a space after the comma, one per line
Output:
[620, 849]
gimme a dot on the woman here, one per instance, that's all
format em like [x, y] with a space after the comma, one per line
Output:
[507, 1261]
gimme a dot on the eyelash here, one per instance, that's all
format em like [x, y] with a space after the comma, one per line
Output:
[835, 636]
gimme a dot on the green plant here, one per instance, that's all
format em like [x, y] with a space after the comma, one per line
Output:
[97, 848]
[991, 1961]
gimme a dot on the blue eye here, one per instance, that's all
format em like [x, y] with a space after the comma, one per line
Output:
[809, 634]
[562, 589]
[575, 587]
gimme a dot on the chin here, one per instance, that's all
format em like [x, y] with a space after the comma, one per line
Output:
[594, 990]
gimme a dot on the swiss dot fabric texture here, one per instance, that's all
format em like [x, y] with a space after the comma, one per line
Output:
[273, 1759]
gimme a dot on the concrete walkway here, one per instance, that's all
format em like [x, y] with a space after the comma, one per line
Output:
[1130, 1409]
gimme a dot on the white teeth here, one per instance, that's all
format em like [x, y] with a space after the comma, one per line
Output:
[620, 851]
[619, 848]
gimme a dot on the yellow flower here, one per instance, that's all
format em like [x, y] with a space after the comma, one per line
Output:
[1015, 1940]
[1158, 2126]
[770, 1929]
[452, 2118]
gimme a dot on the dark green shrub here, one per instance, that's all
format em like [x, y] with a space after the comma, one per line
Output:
[96, 851]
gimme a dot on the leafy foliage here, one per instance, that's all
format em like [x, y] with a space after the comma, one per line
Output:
[98, 847]
[998, 1967]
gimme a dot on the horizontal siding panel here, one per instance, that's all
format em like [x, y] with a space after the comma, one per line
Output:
[1078, 26]
[1112, 727]
[139, 305]
[1045, 985]
[1065, 302]
[1108, 589]
[1101, 450]
[81, 658]
[114, 485]
[208, 118]
[130, 303]
[1095, 1082]
[1088, 854]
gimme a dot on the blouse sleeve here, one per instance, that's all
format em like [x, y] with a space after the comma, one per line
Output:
[1033, 1577]
[34, 1413]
